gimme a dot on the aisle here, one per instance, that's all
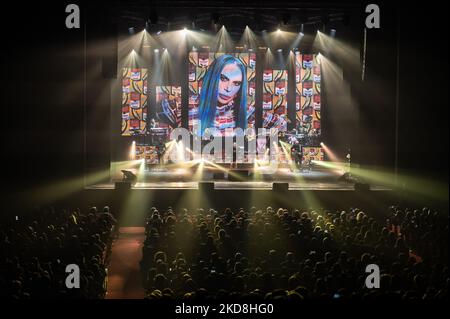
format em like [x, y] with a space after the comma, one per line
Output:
[124, 278]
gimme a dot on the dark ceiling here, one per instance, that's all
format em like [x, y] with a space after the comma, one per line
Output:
[235, 15]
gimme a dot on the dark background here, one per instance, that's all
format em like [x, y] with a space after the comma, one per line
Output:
[43, 118]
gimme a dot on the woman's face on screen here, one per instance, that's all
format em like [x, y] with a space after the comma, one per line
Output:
[230, 83]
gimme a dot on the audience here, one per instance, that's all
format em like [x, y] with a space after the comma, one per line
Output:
[35, 250]
[280, 254]
[253, 254]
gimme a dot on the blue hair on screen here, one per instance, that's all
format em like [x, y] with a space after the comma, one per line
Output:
[209, 92]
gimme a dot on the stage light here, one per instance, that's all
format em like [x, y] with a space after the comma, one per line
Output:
[215, 17]
[156, 50]
[185, 30]
[193, 20]
[280, 50]
[332, 33]
[159, 32]
[153, 16]
[330, 154]
[302, 34]
[131, 30]
[132, 154]
[325, 19]
[286, 17]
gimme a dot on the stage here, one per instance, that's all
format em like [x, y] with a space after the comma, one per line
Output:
[296, 180]
[224, 185]
[287, 189]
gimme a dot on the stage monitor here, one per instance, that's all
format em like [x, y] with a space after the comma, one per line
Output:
[280, 187]
[122, 186]
[205, 186]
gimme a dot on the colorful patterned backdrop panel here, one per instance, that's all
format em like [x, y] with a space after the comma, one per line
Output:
[199, 63]
[147, 152]
[134, 101]
[275, 99]
[307, 97]
[312, 153]
[168, 107]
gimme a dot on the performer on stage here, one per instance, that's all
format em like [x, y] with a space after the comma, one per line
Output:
[296, 154]
[234, 164]
[160, 149]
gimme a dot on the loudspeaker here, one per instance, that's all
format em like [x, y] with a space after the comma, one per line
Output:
[280, 187]
[361, 187]
[205, 186]
[122, 186]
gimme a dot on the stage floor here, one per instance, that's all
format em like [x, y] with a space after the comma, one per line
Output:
[299, 181]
